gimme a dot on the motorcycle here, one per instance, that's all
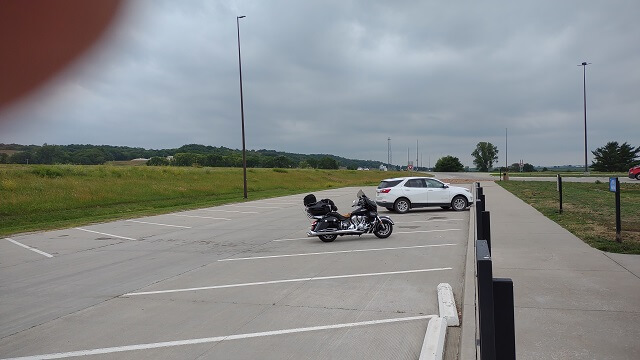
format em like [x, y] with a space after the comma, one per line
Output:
[328, 223]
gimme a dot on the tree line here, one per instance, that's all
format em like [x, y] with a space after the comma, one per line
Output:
[187, 155]
[609, 158]
[612, 157]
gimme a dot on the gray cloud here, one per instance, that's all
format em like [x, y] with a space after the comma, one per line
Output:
[341, 77]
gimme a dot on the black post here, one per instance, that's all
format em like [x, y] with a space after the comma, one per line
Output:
[560, 191]
[618, 222]
[485, 301]
[486, 228]
[479, 210]
[503, 306]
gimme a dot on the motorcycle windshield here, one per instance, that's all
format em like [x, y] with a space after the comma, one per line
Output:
[360, 194]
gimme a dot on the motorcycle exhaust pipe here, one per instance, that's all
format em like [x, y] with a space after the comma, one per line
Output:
[337, 232]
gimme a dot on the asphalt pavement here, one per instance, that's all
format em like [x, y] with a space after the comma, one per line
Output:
[239, 281]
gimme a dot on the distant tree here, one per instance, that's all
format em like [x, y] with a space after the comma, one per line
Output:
[282, 162]
[313, 162]
[484, 155]
[184, 159]
[449, 163]
[158, 161]
[328, 163]
[22, 157]
[253, 161]
[303, 164]
[4, 158]
[526, 167]
[614, 157]
[51, 154]
[89, 156]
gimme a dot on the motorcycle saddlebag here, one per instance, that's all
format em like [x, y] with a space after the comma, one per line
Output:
[319, 208]
[322, 207]
[328, 223]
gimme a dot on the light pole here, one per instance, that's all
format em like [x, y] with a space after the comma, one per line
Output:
[584, 88]
[244, 156]
[389, 154]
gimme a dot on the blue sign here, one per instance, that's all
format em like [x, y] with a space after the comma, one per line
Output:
[612, 184]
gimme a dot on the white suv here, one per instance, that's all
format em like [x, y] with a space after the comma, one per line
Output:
[402, 194]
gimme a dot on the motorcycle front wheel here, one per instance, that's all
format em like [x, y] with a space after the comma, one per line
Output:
[328, 238]
[384, 229]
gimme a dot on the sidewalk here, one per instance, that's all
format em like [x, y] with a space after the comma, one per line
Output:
[571, 301]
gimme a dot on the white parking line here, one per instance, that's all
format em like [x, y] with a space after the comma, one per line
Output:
[285, 203]
[282, 281]
[257, 207]
[200, 217]
[304, 238]
[116, 349]
[427, 221]
[29, 248]
[152, 223]
[425, 231]
[397, 232]
[336, 252]
[101, 233]
[232, 211]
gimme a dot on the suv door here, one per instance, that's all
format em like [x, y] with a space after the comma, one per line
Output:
[438, 193]
[416, 191]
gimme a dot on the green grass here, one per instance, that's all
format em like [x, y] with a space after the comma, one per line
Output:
[46, 197]
[588, 211]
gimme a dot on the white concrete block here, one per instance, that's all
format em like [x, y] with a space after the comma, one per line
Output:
[447, 305]
[433, 345]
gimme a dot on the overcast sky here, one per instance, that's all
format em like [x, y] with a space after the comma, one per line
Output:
[341, 77]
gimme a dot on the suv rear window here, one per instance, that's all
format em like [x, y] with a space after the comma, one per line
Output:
[388, 184]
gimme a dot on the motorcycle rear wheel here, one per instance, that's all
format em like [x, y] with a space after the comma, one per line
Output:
[328, 238]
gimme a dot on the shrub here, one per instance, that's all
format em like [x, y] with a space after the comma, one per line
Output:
[47, 172]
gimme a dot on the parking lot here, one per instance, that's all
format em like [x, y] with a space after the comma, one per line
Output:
[240, 281]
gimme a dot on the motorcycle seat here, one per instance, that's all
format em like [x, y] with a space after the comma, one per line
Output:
[339, 216]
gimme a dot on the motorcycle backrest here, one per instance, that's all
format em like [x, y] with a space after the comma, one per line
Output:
[309, 199]
[331, 204]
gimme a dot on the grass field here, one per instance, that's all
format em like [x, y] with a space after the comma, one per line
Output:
[588, 211]
[46, 197]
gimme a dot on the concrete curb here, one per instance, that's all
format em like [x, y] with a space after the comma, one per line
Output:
[447, 305]
[433, 345]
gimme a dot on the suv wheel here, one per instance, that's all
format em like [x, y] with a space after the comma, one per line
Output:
[459, 203]
[402, 205]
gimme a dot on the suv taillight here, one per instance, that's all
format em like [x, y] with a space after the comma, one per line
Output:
[385, 191]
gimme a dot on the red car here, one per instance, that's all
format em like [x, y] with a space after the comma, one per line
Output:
[634, 172]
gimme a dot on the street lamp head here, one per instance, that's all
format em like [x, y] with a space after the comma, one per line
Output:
[240, 17]
[584, 64]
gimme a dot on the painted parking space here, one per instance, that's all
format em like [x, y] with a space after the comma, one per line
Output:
[272, 292]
